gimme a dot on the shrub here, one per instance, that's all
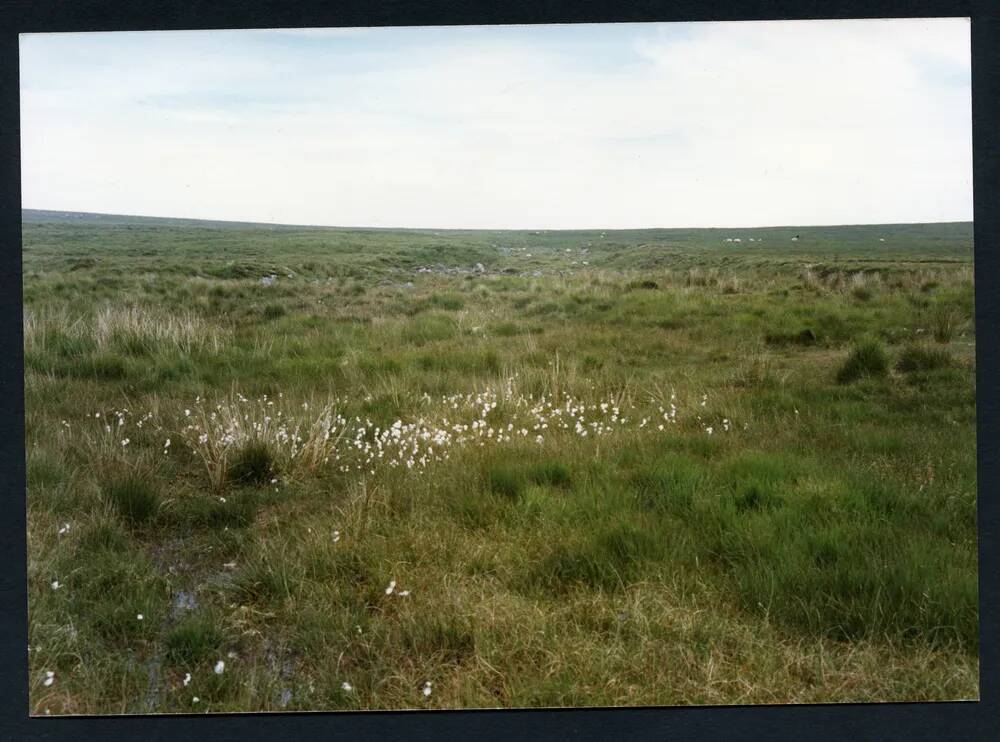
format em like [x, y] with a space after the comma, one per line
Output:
[918, 358]
[133, 498]
[868, 359]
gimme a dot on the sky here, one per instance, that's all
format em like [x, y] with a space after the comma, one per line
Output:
[594, 126]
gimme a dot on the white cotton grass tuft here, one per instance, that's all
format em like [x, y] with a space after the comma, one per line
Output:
[392, 586]
[187, 679]
[346, 687]
[303, 437]
[220, 667]
[50, 677]
[427, 689]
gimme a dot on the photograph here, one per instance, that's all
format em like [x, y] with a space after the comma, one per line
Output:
[499, 366]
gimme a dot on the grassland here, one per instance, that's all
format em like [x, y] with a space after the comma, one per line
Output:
[620, 468]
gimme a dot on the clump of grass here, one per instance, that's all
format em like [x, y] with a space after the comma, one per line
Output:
[273, 311]
[137, 330]
[105, 367]
[228, 438]
[757, 372]
[446, 638]
[551, 474]
[756, 497]
[448, 302]
[253, 464]
[867, 359]
[805, 337]
[511, 480]
[133, 497]
[103, 535]
[944, 323]
[646, 285]
[731, 286]
[265, 582]
[108, 585]
[668, 485]
[507, 481]
[64, 345]
[919, 358]
[195, 640]
[609, 560]
[234, 511]
[507, 329]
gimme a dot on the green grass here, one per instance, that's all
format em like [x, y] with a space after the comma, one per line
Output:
[253, 464]
[868, 359]
[917, 358]
[133, 497]
[801, 529]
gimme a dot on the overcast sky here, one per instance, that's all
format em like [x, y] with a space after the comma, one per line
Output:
[559, 126]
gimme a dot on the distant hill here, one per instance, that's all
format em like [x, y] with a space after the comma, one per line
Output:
[843, 233]
[46, 216]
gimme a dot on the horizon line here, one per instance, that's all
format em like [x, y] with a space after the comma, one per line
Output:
[482, 229]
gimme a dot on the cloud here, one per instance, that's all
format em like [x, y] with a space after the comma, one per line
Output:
[624, 125]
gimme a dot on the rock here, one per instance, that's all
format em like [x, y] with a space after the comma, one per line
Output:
[479, 268]
[183, 602]
[268, 280]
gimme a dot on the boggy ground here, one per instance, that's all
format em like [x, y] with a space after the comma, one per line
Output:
[648, 467]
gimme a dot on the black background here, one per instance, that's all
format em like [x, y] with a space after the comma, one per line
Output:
[904, 721]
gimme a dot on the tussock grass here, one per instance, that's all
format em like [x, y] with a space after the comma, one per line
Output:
[133, 497]
[918, 358]
[868, 359]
